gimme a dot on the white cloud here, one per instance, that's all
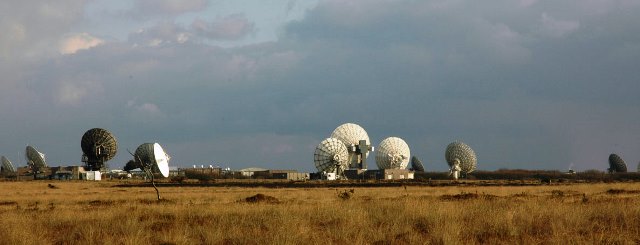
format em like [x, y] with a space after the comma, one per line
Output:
[164, 33]
[81, 41]
[232, 27]
[70, 93]
[146, 111]
[169, 7]
[29, 28]
[557, 28]
[500, 42]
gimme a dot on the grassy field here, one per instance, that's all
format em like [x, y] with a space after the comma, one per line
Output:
[103, 213]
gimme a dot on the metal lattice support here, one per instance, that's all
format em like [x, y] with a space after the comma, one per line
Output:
[331, 156]
[464, 153]
[616, 164]
[98, 146]
[393, 153]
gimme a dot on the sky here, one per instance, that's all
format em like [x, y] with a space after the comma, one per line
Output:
[528, 84]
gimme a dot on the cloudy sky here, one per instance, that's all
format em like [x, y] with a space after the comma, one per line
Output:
[526, 83]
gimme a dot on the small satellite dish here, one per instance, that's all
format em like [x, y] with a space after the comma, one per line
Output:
[35, 159]
[98, 146]
[465, 155]
[331, 156]
[416, 164]
[356, 139]
[616, 164]
[393, 153]
[7, 166]
[152, 155]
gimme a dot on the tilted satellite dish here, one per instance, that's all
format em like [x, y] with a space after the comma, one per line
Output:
[331, 156]
[465, 155]
[153, 156]
[7, 166]
[35, 159]
[416, 164]
[98, 146]
[350, 134]
[393, 153]
[356, 139]
[616, 164]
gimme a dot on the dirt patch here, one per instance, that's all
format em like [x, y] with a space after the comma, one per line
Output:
[101, 203]
[8, 203]
[156, 201]
[622, 191]
[467, 196]
[261, 198]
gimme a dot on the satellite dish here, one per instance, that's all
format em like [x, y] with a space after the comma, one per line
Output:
[35, 159]
[7, 166]
[350, 134]
[416, 164]
[331, 156]
[616, 164]
[393, 153]
[356, 139]
[98, 146]
[152, 155]
[465, 155]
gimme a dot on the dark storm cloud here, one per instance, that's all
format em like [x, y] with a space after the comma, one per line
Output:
[527, 84]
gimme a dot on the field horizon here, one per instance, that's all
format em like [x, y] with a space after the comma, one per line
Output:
[123, 212]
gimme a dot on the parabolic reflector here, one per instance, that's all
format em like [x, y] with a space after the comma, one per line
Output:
[330, 154]
[152, 154]
[350, 134]
[35, 159]
[7, 165]
[356, 139]
[616, 164]
[98, 146]
[393, 153]
[416, 164]
[464, 153]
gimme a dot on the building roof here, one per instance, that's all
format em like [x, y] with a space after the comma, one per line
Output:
[253, 169]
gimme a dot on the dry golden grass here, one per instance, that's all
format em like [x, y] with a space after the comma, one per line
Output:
[99, 213]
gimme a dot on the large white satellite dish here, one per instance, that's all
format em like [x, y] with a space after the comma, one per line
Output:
[7, 166]
[356, 139]
[350, 134]
[331, 156]
[393, 153]
[153, 156]
[35, 159]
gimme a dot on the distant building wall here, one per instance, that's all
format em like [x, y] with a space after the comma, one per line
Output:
[291, 176]
[392, 174]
